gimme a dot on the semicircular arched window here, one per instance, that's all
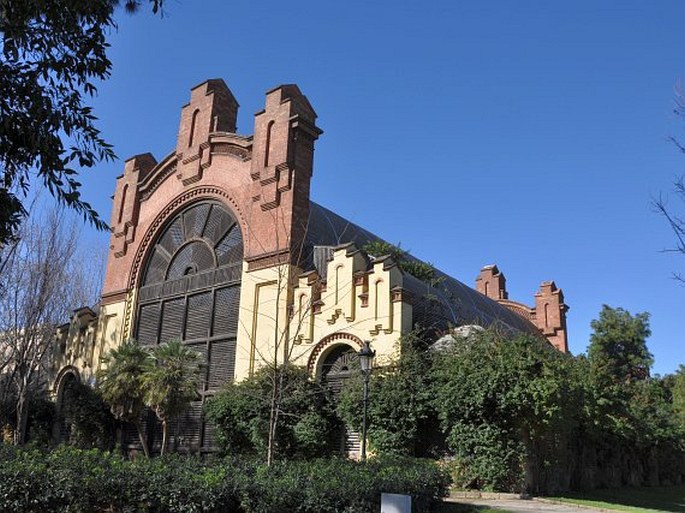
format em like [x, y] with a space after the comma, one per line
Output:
[190, 287]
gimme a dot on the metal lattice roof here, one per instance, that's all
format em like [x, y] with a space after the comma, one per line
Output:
[450, 302]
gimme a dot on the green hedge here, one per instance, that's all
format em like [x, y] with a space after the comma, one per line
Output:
[74, 481]
[338, 485]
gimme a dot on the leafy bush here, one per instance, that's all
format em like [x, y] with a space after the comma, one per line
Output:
[241, 414]
[401, 418]
[339, 485]
[418, 269]
[509, 407]
[71, 480]
[40, 418]
[90, 422]
[83, 481]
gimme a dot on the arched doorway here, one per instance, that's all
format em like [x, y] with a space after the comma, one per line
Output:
[339, 364]
[190, 291]
[66, 380]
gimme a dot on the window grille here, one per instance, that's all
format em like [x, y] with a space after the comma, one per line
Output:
[191, 291]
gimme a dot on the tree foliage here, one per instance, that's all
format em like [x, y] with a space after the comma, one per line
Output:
[401, 419]
[165, 379]
[52, 54]
[678, 395]
[171, 382]
[120, 383]
[618, 346]
[506, 405]
[241, 413]
[87, 417]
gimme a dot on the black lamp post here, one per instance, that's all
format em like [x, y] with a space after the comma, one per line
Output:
[366, 356]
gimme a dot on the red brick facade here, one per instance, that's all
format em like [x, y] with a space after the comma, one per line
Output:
[251, 174]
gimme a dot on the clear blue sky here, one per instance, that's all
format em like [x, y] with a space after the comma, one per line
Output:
[527, 134]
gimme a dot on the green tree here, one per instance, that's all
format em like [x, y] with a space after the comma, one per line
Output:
[507, 405]
[171, 382]
[401, 418]
[678, 395]
[52, 52]
[618, 350]
[241, 413]
[631, 421]
[619, 368]
[120, 384]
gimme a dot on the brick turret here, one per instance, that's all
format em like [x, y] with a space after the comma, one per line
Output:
[492, 283]
[550, 314]
[212, 108]
[126, 203]
[281, 171]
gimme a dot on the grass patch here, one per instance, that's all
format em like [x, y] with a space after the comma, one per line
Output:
[451, 507]
[633, 500]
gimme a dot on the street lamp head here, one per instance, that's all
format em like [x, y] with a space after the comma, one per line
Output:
[366, 356]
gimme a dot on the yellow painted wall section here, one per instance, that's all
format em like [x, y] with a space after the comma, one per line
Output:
[111, 329]
[366, 303]
[83, 343]
[263, 327]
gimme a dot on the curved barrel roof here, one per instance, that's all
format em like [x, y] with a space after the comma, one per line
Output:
[450, 302]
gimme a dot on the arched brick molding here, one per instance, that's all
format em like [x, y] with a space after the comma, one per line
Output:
[327, 342]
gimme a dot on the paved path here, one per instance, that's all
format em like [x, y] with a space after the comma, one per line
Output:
[527, 506]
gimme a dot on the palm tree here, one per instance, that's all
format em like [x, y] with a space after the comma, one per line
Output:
[172, 382]
[120, 383]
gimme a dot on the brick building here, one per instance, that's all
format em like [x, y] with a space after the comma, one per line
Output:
[219, 245]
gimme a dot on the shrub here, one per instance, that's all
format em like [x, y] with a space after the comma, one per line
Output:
[401, 418]
[70, 480]
[241, 413]
[88, 418]
[509, 407]
[339, 485]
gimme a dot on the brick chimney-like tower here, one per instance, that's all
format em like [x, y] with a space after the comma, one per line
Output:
[492, 283]
[212, 108]
[550, 314]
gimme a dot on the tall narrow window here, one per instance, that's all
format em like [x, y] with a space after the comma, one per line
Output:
[267, 148]
[337, 284]
[376, 301]
[546, 315]
[487, 288]
[193, 122]
[123, 202]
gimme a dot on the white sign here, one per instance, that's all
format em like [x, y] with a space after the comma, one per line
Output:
[395, 503]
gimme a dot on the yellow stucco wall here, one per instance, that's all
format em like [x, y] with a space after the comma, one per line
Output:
[85, 341]
[263, 320]
[366, 304]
